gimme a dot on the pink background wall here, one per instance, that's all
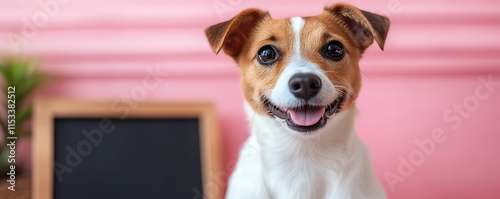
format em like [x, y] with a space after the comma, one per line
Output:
[436, 54]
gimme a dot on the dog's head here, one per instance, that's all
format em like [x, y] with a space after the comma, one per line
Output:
[300, 70]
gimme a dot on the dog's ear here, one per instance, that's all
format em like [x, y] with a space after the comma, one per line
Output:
[231, 35]
[365, 26]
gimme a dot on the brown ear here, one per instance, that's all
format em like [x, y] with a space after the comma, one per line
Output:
[231, 35]
[365, 26]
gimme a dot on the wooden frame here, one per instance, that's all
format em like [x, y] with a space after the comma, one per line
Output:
[45, 110]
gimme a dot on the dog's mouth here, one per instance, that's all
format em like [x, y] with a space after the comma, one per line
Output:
[305, 118]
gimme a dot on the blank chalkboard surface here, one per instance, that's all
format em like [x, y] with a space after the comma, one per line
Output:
[85, 150]
[138, 158]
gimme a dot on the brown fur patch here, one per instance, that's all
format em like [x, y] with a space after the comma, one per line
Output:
[344, 74]
[259, 80]
[365, 26]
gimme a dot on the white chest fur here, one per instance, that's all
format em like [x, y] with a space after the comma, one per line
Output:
[276, 164]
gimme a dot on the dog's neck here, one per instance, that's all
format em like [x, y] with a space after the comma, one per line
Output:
[336, 150]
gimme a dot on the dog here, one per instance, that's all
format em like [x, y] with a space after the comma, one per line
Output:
[300, 78]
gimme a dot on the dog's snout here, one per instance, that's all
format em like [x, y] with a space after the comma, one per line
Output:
[304, 85]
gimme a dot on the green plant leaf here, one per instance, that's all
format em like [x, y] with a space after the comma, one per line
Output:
[6, 72]
[24, 75]
[2, 67]
[24, 113]
[4, 126]
[32, 83]
[18, 69]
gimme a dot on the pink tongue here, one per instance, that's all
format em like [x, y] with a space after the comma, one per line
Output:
[307, 116]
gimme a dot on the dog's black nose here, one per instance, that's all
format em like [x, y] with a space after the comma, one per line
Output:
[304, 85]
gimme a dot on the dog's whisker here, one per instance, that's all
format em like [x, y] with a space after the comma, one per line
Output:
[318, 138]
[346, 93]
[368, 77]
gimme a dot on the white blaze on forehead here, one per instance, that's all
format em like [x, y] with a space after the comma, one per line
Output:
[297, 25]
[280, 95]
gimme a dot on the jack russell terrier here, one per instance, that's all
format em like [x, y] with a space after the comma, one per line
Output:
[300, 79]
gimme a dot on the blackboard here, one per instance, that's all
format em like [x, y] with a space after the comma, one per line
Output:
[157, 150]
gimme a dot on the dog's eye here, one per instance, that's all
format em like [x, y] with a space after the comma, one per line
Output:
[267, 55]
[333, 50]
